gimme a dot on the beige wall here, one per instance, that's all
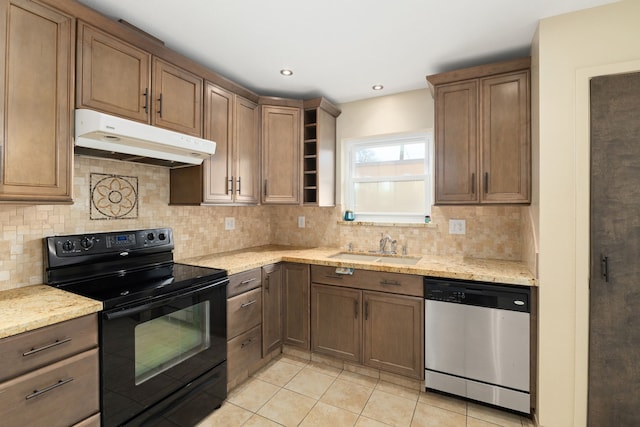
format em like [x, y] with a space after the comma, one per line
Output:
[567, 51]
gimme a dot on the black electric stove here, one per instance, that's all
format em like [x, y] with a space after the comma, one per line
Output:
[162, 330]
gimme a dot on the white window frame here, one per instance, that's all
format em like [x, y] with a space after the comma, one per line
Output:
[380, 140]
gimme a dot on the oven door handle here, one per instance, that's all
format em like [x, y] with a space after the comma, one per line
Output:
[113, 315]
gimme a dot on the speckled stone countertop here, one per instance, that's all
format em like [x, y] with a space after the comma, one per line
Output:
[32, 307]
[510, 272]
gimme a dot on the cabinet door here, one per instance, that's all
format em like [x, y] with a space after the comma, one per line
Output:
[393, 333]
[296, 305]
[456, 148]
[505, 138]
[281, 140]
[218, 127]
[36, 93]
[178, 99]
[113, 76]
[272, 308]
[336, 321]
[247, 152]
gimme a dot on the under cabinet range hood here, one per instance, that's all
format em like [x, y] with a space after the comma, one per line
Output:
[102, 135]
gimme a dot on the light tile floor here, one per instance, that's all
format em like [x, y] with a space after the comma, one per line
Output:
[292, 392]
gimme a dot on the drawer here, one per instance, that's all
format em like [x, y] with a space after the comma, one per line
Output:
[395, 283]
[34, 349]
[243, 351]
[242, 282]
[60, 394]
[244, 311]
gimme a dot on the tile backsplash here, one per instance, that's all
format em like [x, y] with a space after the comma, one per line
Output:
[491, 232]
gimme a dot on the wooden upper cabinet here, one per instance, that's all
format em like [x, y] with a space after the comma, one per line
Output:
[456, 142]
[218, 127]
[113, 76]
[246, 151]
[483, 134]
[281, 140]
[506, 145]
[36, 89]
[177, 99]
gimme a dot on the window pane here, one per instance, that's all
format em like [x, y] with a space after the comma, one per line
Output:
[378, 154]
[388, 197]
[381, 170]
[414, 151]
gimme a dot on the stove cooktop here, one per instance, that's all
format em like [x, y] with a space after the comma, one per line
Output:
[130, 287]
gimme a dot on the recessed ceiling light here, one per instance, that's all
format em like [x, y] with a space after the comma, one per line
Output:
[377, 87]
[286, 72]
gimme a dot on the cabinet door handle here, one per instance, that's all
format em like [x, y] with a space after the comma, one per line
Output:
[267, 284]
[473, 183]
[390, 282]
[247, 304]
[146, 100]
[486, 182]
[230, 187]
[239, 184]
[265, 187]
[160, 110]
[246, 343]
[37, 393]
[246, 282]
[366, 310]
[46, 347]
[355, 308]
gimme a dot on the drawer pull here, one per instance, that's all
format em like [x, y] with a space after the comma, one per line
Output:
[46, 347]
[247, 304]
[246, 343]
[390, 282]
[37, 393]
[334, 277]
[245, 282]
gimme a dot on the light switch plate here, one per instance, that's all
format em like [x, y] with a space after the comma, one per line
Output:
[457, 226]
[301, 222]
[229, 223]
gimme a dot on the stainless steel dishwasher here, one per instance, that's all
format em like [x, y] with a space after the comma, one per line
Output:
[477, 341]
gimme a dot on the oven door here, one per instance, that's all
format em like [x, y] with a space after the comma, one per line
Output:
[153, 350]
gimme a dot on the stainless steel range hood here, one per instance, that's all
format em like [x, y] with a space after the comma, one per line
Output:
[103, 135]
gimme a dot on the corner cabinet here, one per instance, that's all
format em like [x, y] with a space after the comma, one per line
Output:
[281, 139]
[483, 134]
[319, 153]
[36, 75]
[231, 175]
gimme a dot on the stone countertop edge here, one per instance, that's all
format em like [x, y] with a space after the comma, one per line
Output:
[32, 307]
[483, 270]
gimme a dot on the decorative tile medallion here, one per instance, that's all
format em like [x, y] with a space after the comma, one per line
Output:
[113, 196]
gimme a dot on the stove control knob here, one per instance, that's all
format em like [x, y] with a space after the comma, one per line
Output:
[86, 242]
[150, 236]
[67, 245]
[162, 236]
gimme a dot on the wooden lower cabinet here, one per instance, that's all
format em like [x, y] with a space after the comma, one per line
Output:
[53, 367]
[296, 294]
[394, 333]
[336, 327]
[272, 308]
[377, 329]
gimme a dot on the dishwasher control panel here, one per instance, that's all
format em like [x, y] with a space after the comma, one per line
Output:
[481, 294]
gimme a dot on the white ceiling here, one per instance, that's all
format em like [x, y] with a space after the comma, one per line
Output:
[339, 48]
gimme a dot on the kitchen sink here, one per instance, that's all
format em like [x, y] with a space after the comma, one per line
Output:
[385, 259]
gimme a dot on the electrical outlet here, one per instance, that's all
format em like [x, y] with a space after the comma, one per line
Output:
[300, 222]
[457, 226]
[229, 223]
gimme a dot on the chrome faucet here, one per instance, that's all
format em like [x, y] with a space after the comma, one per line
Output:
[383, 244]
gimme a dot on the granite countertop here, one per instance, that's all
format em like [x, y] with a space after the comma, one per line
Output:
[32, 307]
[509, 272]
